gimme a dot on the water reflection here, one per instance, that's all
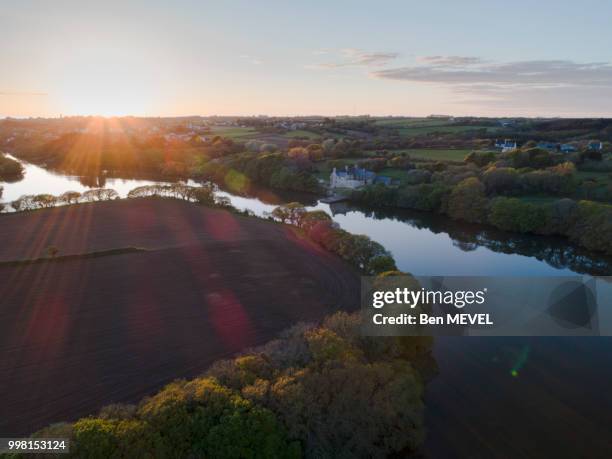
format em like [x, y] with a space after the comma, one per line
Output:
[557, 252]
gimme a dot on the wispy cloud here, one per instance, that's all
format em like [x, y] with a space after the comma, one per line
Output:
[466, 71]
[449, 61]
[551, 85]
[351, 57]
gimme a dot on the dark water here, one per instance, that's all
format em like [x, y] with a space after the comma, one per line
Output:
[492, 397]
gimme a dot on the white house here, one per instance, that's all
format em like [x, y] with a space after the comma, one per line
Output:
[506, 146]
[354, 177]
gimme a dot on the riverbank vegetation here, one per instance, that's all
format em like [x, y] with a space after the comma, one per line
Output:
[528, 191]
[359, 250]
[293, 397]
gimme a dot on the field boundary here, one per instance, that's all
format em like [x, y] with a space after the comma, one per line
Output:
[76, 256]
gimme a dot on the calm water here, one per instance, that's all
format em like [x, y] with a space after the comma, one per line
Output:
[499, 396]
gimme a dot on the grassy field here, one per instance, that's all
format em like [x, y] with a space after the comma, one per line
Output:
[421, 126]
[449, 155]
[232, 132]
[434, 155]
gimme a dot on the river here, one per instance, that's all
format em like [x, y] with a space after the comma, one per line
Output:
[492, 397]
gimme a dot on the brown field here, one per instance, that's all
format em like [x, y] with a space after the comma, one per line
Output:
[78, 334]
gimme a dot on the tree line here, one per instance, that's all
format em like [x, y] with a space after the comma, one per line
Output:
[368, 256]
[293, 397]
[204, 194]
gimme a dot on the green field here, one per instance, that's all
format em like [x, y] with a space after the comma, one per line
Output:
[415, 131]
[232, 132]
[421, 126]
[434, 155]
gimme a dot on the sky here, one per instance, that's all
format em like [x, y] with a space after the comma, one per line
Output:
[334, 57]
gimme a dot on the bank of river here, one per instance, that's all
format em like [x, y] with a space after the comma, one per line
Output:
[493, 397]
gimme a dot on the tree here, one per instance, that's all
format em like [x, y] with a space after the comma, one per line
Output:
[99, 194]
[204, 195]
[69, 197]
[10, 170]
[467, 201]
[501, 180]
[24, 202]
[511, 214]
[44, 200]
[480, 158]
[309, 219]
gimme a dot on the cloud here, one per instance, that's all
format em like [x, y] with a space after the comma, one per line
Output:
[449, 61]
[466, 72]
[351, 57]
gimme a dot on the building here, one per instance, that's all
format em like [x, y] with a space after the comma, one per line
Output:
[506, 145]
[352, 177]
[595, 146]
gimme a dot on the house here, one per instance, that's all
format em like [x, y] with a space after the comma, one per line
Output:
[595, 146]
[506, 145]
[567, 148]
[355, 177]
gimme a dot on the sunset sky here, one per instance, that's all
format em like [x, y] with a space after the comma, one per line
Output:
[528, 58]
